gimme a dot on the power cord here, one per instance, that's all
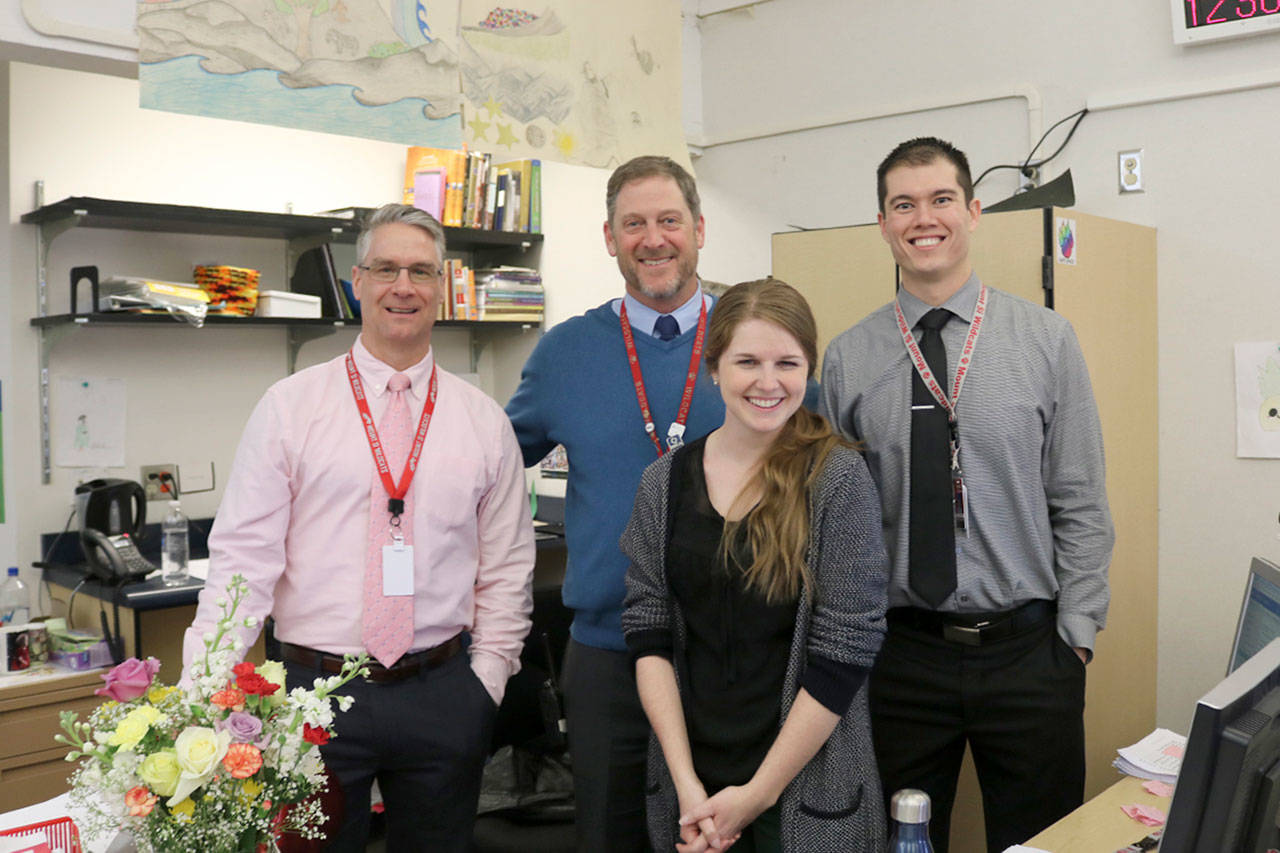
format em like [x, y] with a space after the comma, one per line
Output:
[1026, 166]
[46, 589]
[169, 484]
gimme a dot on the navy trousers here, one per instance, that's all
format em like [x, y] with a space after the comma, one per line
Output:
[425, 739]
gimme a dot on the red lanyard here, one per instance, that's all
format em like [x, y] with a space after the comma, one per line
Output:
[395, 504]
[966, 356]
[675, 434]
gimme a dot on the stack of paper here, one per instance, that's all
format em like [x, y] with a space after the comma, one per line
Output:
[1156, 756]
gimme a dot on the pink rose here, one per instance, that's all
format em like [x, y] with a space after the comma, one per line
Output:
[129, 680]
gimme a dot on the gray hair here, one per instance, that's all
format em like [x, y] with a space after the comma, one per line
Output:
[409, 215]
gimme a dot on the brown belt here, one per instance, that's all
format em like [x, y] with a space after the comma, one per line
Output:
[408, 665]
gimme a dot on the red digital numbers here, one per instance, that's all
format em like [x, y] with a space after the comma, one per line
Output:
[1223, 11]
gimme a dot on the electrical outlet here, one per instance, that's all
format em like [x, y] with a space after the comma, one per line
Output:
[1130, 163]
[154, 485]
[1028, 179]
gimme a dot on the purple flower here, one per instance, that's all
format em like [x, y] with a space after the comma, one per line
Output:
[129, 680]
[244, 727]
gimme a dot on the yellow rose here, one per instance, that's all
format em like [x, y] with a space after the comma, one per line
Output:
[199, 750]
[160, 770]
[134, 727]
[274, 671]
[184, 810]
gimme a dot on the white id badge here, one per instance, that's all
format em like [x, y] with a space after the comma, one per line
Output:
[397, 569]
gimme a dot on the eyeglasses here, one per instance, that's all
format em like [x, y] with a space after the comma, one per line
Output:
[388, 273]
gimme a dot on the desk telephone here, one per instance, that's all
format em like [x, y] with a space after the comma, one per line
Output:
[114, 559]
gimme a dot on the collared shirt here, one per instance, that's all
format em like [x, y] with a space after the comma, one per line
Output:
[294, 519]
[643, 318]
[1030, 449]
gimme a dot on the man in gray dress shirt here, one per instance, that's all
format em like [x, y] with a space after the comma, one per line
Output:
[998, 585]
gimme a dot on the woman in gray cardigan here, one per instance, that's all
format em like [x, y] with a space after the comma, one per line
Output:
[755, 606]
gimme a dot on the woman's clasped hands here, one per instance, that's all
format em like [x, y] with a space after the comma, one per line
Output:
[715, 823]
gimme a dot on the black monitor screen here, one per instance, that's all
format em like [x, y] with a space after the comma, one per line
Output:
[1228, 788]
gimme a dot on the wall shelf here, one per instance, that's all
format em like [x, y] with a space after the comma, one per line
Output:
[299, 233]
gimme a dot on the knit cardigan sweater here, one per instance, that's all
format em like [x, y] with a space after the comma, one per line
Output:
[835, 802]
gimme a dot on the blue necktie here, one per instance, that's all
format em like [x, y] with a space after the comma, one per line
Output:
[666, 327]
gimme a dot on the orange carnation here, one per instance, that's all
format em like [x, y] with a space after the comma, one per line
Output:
[230, 699]
[140, 801]
[242, 760]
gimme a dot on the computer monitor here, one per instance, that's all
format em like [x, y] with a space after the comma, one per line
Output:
[1227, 797]
[1259, 621]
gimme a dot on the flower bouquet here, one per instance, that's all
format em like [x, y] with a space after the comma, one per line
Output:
[224, 764]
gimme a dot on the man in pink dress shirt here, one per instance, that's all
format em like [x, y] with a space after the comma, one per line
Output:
[301, 520]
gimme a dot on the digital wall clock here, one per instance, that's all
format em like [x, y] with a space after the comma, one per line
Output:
[1196, 21]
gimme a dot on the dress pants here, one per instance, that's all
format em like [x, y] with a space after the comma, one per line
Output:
[608, 740]
[425, 740]
[1019, 704]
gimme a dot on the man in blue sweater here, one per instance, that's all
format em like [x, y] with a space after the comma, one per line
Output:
[618, 386]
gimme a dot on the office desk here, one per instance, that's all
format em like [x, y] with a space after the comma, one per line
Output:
[1099, 826]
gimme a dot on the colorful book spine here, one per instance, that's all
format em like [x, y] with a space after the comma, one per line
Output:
[535, 197]
[470, 190]
[491, 197]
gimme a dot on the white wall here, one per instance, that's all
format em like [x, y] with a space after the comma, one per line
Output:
[1211, 176]
[190, 391]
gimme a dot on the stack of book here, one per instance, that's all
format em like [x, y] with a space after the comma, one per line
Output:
[493, 293]
[471, 190]
[509, 293]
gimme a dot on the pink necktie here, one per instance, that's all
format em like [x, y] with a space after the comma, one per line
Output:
[388, 620]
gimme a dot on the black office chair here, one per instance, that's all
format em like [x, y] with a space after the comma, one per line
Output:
[526, 802]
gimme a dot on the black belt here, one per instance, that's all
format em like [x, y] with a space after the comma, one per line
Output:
[974, 629]
[408, 665]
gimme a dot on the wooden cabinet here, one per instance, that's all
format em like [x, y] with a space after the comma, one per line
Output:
[32, 765]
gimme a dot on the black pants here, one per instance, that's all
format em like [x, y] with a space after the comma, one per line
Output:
[1017, 702]
[608, 739]
[425, 740]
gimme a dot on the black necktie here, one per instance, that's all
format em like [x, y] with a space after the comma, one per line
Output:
[932, 537]
[666, 327]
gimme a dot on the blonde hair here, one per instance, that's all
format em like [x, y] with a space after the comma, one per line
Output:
[777, 527]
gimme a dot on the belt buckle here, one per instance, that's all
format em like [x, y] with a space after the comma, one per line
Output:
[961, 634]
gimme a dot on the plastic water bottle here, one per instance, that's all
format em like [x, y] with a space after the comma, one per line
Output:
[909, 809]
[15, 600]
[174, 547]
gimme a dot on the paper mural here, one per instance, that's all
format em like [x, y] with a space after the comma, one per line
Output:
[381, 69]
[1258, 399]
[578, 81]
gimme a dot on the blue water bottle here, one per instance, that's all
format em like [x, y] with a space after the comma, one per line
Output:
[909, 810]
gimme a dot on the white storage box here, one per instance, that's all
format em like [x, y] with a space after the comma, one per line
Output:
[282, 303]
